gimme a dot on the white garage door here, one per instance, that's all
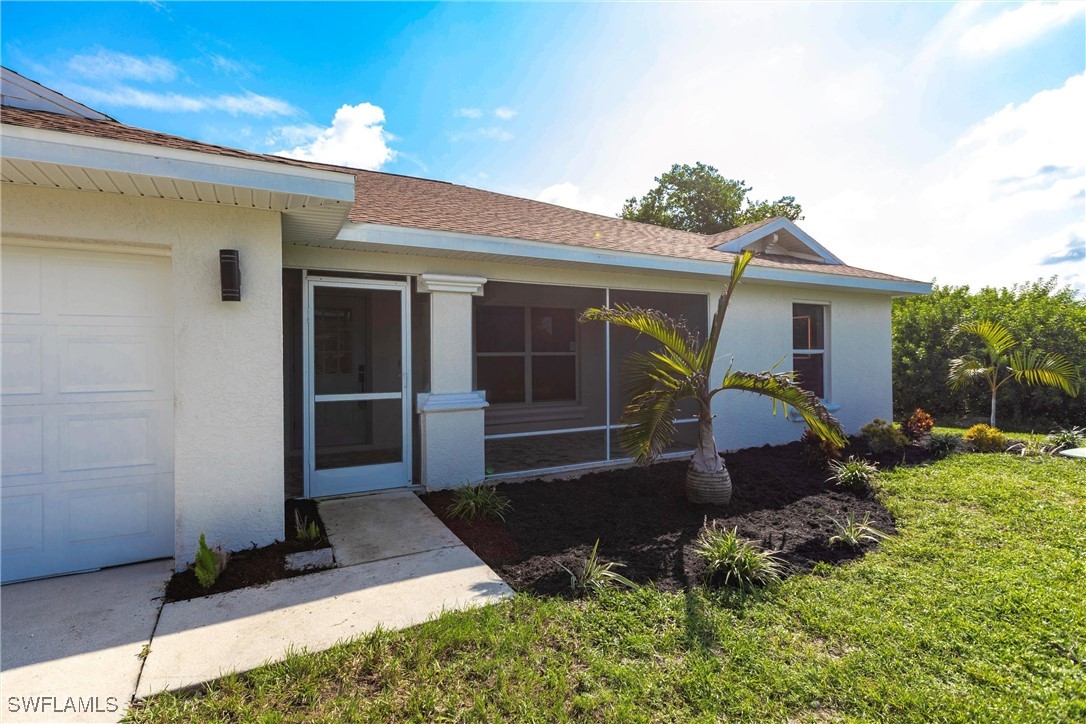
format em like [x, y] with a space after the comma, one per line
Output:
[87, 382]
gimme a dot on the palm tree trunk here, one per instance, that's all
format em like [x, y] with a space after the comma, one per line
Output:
[707, 479]
[991, 421]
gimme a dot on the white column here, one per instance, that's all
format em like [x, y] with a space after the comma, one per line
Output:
[451, 414]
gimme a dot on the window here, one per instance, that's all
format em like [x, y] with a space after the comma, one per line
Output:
[526, 354]
[332, 341]
[809, 346]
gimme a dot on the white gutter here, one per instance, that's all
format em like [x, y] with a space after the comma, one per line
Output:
[405, 239]
[103, 154]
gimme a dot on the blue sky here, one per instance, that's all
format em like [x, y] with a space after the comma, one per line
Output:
[929, 140]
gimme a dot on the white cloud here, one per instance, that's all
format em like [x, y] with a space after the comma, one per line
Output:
[113, 66]
[228, 66]
[295, 135]
[1018, 27]
[356, 138]
[570, 195]
[504, 113]
[468, 113]
[493, 133]
[247, 103]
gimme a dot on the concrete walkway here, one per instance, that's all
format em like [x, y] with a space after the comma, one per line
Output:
[83, 635]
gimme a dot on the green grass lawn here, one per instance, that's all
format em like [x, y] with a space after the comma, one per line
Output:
[976, 611]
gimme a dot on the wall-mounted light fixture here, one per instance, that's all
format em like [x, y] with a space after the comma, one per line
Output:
[230, 273]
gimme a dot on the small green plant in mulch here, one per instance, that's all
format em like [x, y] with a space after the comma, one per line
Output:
[594, 575]
[941, 444]
[209, 563]
[1067, 438]
[855, 473]
[734, 561]
[882, 436]
[305, 530]
[985, 439]
[1032, 448]
[853, 533]
[475, 502]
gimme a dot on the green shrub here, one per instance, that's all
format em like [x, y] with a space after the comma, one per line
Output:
[854, 533]
[305, 530]
[473, 502]
[593, 575]
[917, 425]
[209, 563]
[882, 436]
[941, 444]
[817, 452]
[1040, 313]
[985, 439]
[1067, 438]
[731, 560]
[853, 473]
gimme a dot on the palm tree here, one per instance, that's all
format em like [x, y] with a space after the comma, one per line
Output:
[658, 381]
[1002, 365]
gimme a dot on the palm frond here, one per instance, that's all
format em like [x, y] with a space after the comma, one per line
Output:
[649, 424]
[782, 387]
[1048, 370]
[964, 370]
[667, 331]
[642, 372]
[739, 267]
[995, 336]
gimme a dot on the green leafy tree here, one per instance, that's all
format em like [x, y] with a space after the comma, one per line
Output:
[1001, 363]
[681, 369]
[1040, 314]
[697, 198]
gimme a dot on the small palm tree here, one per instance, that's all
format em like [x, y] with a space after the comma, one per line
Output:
[658, 381]
[1002, 365]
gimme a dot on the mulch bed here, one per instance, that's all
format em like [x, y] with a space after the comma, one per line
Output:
[254, 566]
[643, 520]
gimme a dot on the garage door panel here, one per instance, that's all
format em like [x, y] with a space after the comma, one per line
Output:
[111, 290]
[21, 276]
[66, 527]
[23, 525]
[23, 452]
[87, 415]
[104, 361]
[21, 361]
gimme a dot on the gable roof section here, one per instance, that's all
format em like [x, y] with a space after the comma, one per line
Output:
[21, 92]
[386, 199]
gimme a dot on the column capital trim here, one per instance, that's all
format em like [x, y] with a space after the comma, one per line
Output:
[451, 283]
[429, 402]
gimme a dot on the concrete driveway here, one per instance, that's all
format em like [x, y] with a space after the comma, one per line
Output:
[71, 647]
[78, 648]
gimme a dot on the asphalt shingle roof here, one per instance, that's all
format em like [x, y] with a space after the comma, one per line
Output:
[384, 198]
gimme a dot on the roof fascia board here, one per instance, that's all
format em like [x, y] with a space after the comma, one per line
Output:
[406, 238]
[106, 154]
[737, 244]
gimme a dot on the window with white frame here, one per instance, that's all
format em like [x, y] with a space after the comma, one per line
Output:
[526, 355]
[809, 346]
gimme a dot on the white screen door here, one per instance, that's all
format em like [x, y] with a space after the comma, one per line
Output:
[357, 377]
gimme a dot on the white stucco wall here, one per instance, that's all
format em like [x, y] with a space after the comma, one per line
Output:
[758, 332]
[228, 405]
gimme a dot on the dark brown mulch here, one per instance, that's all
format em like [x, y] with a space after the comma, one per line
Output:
[488, 538]
[643, 520]
[254, 566]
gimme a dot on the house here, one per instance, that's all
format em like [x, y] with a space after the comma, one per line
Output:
[192, 333]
